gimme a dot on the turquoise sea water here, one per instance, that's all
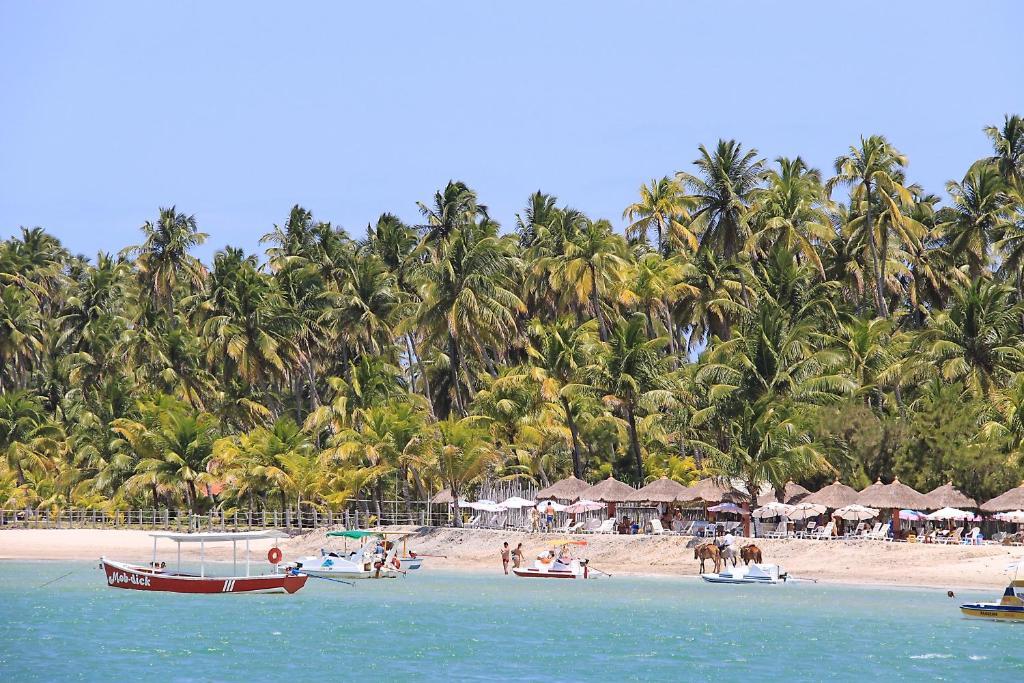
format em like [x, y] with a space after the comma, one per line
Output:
[433, 626]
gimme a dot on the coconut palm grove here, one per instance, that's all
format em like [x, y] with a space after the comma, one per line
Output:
[745, 317]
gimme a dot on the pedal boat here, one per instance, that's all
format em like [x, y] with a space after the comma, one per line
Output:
[1009, 608]
[754, 573]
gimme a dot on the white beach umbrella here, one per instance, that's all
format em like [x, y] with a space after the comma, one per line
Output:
[950, 513]
[515, 502]
[725, 507]
[856, 512]
[584, 506]
[483, 505]
[805, 510]
[773, 509]
[543, 505]
[1016, 516]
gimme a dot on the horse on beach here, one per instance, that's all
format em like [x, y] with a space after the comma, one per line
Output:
[730, 553]
[708, 551]
[750, 553]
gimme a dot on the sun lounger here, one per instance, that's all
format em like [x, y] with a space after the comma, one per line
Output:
[953, 538]
[857, 532]
[781, 530]
[591, 526]
[973, 538]
[607, 527]
[656, 527]
[683, 528]
[807, 530]
[823, 533]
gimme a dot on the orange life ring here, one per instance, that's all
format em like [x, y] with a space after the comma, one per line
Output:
[546, 560]
[274, 555]
[397, 562]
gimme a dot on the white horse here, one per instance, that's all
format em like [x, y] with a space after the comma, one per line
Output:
[730, 552]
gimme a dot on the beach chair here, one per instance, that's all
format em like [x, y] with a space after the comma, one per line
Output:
[655, 527]
[858, 531]
[953, 538]
[473, 522]
[683, 528]
[591, 525]
[973, 538]
[607, 527]
[877, 533]
[823, 533]
[807, 530]
[781, 530]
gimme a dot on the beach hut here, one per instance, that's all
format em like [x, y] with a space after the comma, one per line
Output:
[662, 490]
[442, 498]
[792, 493]
[610, 491]
[568, 489]
[947, 496]
[894, 496]
[1011, 500]
[834, 496]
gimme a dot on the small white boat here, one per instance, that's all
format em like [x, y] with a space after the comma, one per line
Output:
[557, 565]
[371, 561]
[754, 573]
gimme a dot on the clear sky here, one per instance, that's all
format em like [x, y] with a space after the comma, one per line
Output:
[236, 111]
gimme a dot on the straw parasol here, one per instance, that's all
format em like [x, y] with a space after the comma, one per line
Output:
[894, 496]
[442, 498]
[611, 490]
[662, 490]
[711, 491]
[568, 489]
[792, 493]
[1011, 500]
[834, 496]
[948, 497]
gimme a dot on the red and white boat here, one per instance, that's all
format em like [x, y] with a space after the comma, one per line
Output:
[560, 564]
[157, 577]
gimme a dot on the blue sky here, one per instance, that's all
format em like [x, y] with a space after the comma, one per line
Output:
[236, 111]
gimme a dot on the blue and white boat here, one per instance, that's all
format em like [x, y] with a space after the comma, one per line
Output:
[754, 573]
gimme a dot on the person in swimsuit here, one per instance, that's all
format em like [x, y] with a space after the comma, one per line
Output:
[517, 556]
[505, 556]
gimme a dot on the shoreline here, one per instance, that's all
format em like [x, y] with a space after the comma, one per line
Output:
[876, 563]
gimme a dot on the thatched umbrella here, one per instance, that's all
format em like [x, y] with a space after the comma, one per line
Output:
[711, 491]
[442, 498]
[792, 493]
[568, 489]
[662, 490]
[893, 496]
[948, 497]
[610, 491]
[1011, 500]
[834, 496]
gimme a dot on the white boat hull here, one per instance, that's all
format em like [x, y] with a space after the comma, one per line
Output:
[755, 573]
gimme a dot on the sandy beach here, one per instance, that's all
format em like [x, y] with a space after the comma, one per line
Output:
[861, 562]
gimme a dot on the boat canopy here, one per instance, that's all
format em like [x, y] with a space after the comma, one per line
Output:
[354, 533]
[213, 537]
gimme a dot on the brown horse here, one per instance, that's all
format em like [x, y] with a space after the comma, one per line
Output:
[708, 551]
[750, 553]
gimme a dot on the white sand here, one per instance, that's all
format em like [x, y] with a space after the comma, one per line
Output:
[871, 562]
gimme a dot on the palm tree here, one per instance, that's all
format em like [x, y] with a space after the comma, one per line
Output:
[980, 217]
[632, 374]
[464, 454]
[654, 285]
[663, 206]
[21, 335]
[874, 170]
[977, 341]
[791, 210]
[723, 295]
[589, 267]
[453, 209]
[29, 440]
[1008, 148]
[721, 192]
[163, 259]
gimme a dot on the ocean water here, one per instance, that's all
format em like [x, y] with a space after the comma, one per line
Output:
[460, 626]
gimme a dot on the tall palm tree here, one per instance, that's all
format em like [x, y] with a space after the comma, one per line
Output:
[664, 207]
[980, 217]
[452, 209]
[163, 259]
[29, 439]
[874, 171]
[721, 191]
[1008, 148]
[464, 453]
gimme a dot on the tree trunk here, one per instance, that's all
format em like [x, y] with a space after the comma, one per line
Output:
[634, 443]
[577, 465]
[882, 307]
[595, 302]
[453, 373]
[456, 516]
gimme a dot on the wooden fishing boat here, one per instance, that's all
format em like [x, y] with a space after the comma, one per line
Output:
[156, 576]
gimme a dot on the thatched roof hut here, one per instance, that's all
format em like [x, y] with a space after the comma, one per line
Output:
[949, 497]
[662, 490]
[568, 489]
[611, 490]
[793, 493]
[1011, 500]
[892, 496]
[836, 495]
[711, 491]
[443, 497]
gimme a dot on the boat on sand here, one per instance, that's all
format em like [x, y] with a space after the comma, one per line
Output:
[156, 577]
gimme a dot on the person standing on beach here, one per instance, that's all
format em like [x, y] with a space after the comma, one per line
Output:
[517, 556]
[505, 557]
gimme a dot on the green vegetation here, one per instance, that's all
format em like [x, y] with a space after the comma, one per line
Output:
[758, 319]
